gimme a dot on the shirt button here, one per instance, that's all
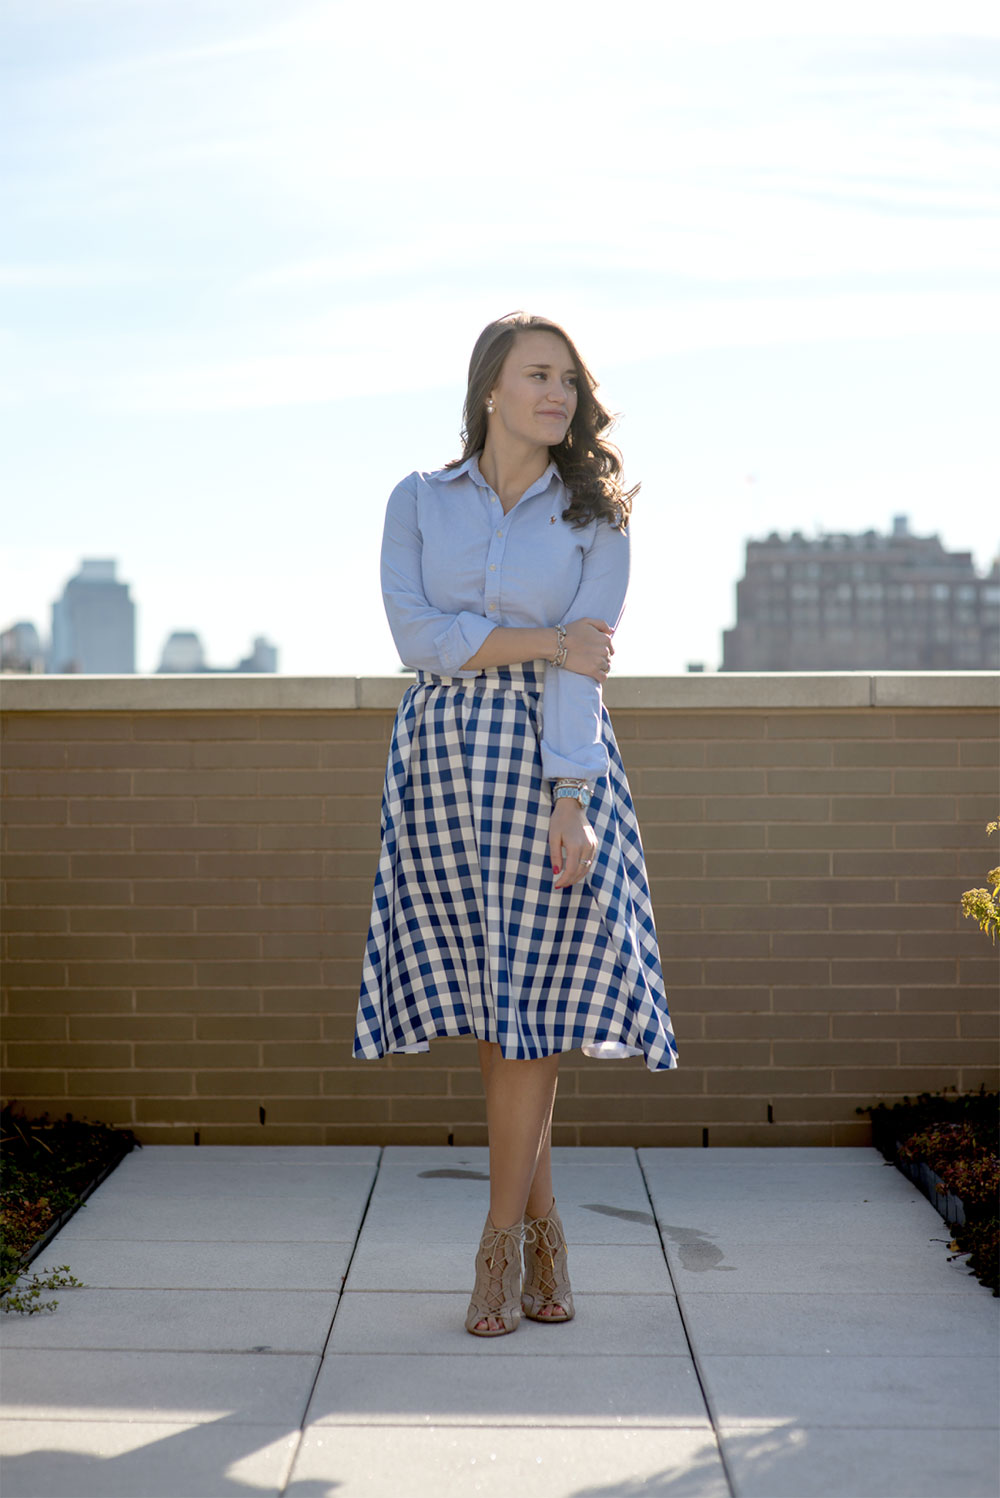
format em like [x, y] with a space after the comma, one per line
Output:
[493, 567]
[500, 534]
[493, 608]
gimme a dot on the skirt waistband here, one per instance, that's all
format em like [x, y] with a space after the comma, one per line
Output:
[527, 677]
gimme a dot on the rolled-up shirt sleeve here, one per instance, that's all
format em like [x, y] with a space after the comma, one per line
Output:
[572, 742]
[427, 638]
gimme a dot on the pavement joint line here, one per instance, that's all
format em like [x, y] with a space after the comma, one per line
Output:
[333, 1318]
[695, 1363]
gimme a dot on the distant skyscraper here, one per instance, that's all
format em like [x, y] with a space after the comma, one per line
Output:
[184, 652]
[21, 649]
[857, 603]
[93, 623]
[264, 657]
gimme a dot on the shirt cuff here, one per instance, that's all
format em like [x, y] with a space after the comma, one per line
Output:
[463, 638]
[590, 764]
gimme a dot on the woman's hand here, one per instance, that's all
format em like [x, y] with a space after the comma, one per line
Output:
[589, 649]
[572, 842]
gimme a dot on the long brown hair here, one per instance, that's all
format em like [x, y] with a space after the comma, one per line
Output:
[590, 468]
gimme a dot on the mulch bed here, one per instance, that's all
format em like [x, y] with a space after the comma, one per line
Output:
[48, 1168]
[950, 1147]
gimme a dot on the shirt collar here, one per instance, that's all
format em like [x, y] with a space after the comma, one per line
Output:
[471, 467]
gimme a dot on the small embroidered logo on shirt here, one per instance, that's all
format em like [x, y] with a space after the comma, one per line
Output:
[552, 520]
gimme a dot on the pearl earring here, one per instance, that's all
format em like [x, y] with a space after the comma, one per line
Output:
[489, 406]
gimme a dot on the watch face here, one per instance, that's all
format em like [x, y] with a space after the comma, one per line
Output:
[584, 797]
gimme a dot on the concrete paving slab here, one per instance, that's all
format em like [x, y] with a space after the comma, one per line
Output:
[919, 1265]
[433, 1323]
[496, 1463]
[783, 1156]
[218, 1179]
[139, 1460]
[589, 1156]
[106, 1264]
[183, 1387]
[870, 1220]
[853, 1183]
[424, 1155]
[937, 1393]
[244, 1219]
[862, 1325]
[179, 1320]
[250, 1155]
[593, 1268]
[507, 1390]
[784, 1461]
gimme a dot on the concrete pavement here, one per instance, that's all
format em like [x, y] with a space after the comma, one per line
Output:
[767, 1323]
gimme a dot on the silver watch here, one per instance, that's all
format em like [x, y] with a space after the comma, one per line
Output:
[580, 793]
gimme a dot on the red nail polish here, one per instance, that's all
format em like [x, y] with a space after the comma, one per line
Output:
[555, 870]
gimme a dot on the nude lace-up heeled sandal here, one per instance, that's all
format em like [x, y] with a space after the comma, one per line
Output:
[546, 1273]
[497, 1291]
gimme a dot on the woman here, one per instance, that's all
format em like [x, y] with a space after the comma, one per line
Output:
[511, 900]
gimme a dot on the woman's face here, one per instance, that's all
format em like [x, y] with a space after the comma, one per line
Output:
[535, 397]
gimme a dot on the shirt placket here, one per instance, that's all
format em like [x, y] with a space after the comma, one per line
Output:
[500, 527]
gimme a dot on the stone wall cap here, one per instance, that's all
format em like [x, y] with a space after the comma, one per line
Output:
[736, 691]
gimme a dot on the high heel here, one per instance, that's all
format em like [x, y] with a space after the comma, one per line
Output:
[497, 1291]
[546, 1272]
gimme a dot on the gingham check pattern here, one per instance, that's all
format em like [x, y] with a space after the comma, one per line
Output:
[468, 936]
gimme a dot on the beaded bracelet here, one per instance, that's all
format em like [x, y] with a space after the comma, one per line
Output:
[559, 659]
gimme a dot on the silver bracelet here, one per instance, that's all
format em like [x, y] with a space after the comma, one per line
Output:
[559, 659]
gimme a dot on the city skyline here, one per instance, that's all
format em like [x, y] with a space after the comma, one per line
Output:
[774, 238]
[868, 644]
[93, 633]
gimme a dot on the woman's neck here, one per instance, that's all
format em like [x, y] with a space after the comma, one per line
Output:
[511, 470]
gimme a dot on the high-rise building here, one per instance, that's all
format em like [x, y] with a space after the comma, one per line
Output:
[184, 652]
[871, 602]
[263, 657]
[93, 623]
[21, 649]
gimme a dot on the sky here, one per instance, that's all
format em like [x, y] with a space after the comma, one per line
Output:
[246, 247]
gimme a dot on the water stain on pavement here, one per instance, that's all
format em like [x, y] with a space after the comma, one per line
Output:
[697, 1251]
[453, 1175]
[624, 1215]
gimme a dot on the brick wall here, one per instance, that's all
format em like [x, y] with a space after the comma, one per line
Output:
[187, 872]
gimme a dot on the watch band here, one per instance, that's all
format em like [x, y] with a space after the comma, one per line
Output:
[578, 793]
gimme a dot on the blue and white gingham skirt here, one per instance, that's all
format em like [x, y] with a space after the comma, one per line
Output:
[468, 935]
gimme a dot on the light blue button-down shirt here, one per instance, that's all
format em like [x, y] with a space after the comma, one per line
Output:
[454, 567]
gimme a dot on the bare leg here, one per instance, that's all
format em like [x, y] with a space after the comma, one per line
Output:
[519, 1100]
[541, 1196]
[541, 1199]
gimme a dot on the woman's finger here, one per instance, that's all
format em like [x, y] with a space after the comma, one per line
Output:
[555, 849]
[578, 865]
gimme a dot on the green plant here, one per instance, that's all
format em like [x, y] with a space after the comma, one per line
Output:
[983, 905]
[24, 1298]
